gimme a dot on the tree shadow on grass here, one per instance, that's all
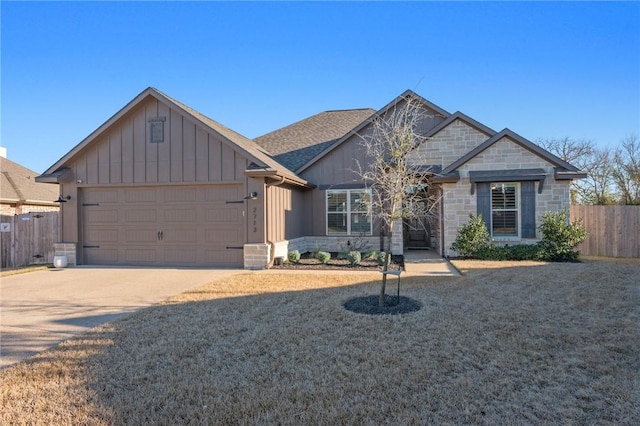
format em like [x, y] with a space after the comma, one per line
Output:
[487, 348]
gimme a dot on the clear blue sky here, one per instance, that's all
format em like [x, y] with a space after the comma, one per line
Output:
[543, 69]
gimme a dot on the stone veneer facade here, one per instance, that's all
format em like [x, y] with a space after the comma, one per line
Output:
[449, 144]
[459, 138]
[458, 202]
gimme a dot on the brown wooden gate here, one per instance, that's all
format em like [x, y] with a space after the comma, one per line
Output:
[28, 239]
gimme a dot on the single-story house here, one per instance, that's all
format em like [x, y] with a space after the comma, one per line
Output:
[20, 193]
[161, 184]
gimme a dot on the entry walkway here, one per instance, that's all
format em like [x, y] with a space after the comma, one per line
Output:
[427, 263]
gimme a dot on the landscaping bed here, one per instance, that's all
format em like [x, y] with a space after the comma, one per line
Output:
[307, 261]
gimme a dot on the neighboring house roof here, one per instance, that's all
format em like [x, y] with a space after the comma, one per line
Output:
[261, 160]
[18, 185]
[405, 95]
[564, 170]
[296, 144]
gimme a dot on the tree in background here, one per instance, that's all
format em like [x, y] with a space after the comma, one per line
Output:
[598, 187]
[613, 175]
[400, 186]
[626, 170]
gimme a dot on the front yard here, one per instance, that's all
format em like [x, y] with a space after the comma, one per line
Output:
[507, 343]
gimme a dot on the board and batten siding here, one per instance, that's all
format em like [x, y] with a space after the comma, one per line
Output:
[188, 154]
[122, 155]
[288, 213]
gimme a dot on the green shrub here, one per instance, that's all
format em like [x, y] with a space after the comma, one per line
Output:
[525, 252]
[492, 252]
[323, 257]
[381, 258]
[294, 256]
[354, 257]
[560, 237]
[371, 255]
[472, 237]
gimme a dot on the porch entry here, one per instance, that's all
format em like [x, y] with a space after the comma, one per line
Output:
[417, 232]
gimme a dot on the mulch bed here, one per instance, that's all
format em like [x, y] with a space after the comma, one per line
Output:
[369, 305]
[307, 261]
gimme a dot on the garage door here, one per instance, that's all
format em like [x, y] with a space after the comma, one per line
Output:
[163, 226]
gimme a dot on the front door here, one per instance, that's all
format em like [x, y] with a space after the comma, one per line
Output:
[417, 231]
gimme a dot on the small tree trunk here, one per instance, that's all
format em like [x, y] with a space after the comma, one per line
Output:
[385, 268]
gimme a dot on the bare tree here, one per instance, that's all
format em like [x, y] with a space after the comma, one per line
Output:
[399, 181]
[597, 187]
[626, 170]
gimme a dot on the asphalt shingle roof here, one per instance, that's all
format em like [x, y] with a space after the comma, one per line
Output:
[17, 184]
[296, 144]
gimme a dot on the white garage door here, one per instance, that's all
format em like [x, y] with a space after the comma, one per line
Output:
[163, 226]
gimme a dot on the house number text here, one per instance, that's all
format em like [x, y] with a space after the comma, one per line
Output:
[255, 219]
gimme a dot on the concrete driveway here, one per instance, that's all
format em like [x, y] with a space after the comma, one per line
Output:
[40, 309]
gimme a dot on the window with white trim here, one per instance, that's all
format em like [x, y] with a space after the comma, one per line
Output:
[348, 212]
[504, 210]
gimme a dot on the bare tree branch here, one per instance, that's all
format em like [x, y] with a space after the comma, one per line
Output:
[395, 170]
[626, 171]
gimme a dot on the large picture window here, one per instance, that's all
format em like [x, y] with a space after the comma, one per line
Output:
[504, 210]
[348, 212]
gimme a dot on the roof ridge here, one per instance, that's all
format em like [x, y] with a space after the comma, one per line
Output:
[346, 109]
[14, 186]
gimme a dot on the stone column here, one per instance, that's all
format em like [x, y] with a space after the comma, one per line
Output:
[256, 255]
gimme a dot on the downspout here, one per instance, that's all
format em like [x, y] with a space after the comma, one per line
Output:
[441, 220]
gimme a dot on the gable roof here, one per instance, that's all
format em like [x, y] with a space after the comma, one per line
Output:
[561, 165]
[238, 142]
[18, 185]
[464, 118]
[296, 144]
[407, 94]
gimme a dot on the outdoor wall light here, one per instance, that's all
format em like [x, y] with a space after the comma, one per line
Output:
[251, 196]
[63, 199]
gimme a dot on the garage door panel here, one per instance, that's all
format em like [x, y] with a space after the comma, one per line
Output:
[230, 215]
[222, 194]
[138, 256]
[101, 256]
[231, 236]
[183, 257]
[223, 257]
[102, 216]
[140, 235]
[187, 226]
[104, 196]
[140, 195]
[180, 216]
[180, 195]
[102, 235]
[133, 215]
[180, 236]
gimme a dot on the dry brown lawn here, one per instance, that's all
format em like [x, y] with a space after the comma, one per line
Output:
[507, 343]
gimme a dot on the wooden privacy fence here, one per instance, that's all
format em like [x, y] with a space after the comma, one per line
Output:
[28, 239]
[614, 231]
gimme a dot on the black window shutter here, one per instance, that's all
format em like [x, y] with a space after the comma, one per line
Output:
[528, 205]
[483, 207]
